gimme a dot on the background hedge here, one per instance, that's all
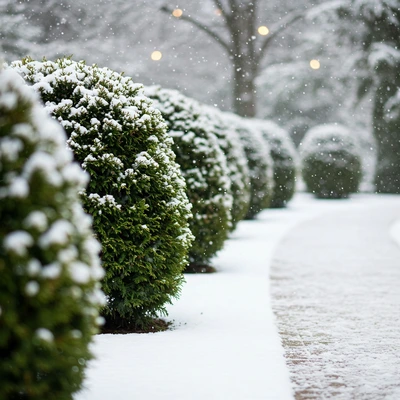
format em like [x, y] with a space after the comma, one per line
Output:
[204, 167]
[284, 156]
[239, 172]
[260, 163]
[331, 164]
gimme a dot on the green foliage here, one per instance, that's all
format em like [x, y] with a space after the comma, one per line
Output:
[136, 193]
[204, 167]
[331, 164]
[259, 161]
[49, 261]
[284, 157]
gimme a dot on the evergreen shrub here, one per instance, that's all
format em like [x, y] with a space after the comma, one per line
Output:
[259, 161]
[239, 173]
[49, 260]
[331, 163]
[136, 193]
[205, 169]
[284, 156]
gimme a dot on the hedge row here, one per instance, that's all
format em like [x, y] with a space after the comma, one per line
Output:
[154, 159]
[170, 178]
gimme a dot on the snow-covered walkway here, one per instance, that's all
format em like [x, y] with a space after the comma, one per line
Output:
[335, 287]
[226, 345]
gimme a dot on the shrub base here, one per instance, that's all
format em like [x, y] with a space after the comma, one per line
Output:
[194, 268]
[122, 327]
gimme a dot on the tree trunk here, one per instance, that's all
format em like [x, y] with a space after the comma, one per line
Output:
[241, 25]
[244, 91]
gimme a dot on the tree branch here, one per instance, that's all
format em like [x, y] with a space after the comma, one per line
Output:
[290, 19]
[220, 6]
[279, 27]
[202, 27]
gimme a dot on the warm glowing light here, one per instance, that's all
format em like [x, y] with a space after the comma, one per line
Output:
[263, 30]
[218, 11]
[156, 55]
[315, 64]
[177, 12]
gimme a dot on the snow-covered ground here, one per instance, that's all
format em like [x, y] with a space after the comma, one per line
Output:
[225, 342]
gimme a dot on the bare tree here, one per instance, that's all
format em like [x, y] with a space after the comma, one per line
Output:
[243, 43]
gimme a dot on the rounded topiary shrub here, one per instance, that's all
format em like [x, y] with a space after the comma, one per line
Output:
[136, 193]
[331, 164]
[239, 173]
[284, 156]
[259, 161]
[204, 167]
[49, 260]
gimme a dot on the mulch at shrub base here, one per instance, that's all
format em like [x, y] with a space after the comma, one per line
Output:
[157, 325]
[194, 268]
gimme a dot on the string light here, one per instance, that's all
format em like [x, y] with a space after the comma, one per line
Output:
[156, 55]
[263, 30]
[177, 12]
[315, 64]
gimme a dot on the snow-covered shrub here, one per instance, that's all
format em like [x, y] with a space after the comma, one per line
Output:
[331, 163]
[49, 260]
[239, 173]
[259, 161]
[284, 156]
[136, 192]
[205, 169]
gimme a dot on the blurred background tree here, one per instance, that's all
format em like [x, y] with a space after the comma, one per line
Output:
[377, 60]
[286, 87]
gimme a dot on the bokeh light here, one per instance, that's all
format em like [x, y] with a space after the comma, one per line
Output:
[263, 30]
[315, 64]
[177, 12]
[156, 55]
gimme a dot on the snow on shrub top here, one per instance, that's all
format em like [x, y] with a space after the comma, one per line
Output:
[204, 167]
[280, 143]
[136, 193]
[260, 163]
[322, 140]
[49, 261]
[233, 149]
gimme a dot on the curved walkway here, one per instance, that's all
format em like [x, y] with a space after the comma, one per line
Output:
[336, 295]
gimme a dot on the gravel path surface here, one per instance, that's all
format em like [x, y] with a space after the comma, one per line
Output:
[336, 295]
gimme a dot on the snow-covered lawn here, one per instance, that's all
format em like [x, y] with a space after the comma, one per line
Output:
[225, 343]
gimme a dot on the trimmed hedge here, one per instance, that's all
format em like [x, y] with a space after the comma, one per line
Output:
[136, 193]
[331, 164]
[239, 173]
[205, 169]
[284, 156]
[259, 161]
[49, 261]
